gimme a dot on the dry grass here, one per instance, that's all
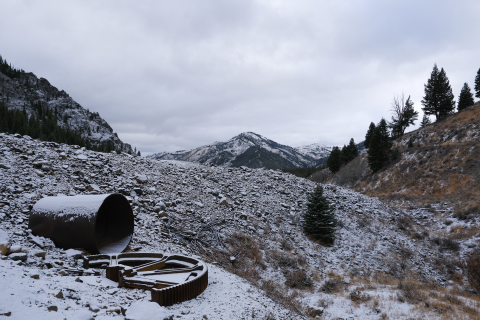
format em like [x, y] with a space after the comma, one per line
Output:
[282, 297]
[247, 253]
[473, 270]
[463, 232]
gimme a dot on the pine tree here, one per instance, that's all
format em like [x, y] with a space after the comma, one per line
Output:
[466, 97]
[319, 219]
[477, 84]
[447, 102]
[438, 99]
[368, 136]
[349, 152]
[334, 161]
[379, 152]
[425, 121]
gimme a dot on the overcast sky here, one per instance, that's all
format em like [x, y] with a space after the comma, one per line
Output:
[173, 75]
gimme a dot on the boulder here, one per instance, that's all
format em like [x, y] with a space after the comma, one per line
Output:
[74, 254]
[141, 178]
[5, 166]
[22, 256]
[314, 311]
[39, 173]
[15, 249]
[162, 214]
[38, 253]
[93, 187]
[82, 157]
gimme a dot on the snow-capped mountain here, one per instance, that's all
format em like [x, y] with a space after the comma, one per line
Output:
[25, 88]
[315, 150]
[251, 150]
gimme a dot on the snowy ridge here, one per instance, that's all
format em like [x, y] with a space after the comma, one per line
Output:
[251, 150]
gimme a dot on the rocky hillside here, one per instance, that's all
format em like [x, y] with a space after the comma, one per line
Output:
[242, 221]
[251, 150]
[25, 88]
[441, 165]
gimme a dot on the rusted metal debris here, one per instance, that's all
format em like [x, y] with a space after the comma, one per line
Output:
[97, 223]
[171, 279]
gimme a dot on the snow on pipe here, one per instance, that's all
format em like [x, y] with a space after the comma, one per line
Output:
[98, 223]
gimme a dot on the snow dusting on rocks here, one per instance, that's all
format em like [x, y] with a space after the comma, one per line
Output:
[245, 223]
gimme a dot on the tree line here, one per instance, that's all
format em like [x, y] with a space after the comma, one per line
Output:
[438, 101]
[339, 158]
[42, 124]
[8, 70]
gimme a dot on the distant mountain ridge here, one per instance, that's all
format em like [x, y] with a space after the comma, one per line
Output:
[19, 89]
[251, 150]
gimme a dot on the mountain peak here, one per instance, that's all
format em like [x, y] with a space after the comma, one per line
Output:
[249, 149]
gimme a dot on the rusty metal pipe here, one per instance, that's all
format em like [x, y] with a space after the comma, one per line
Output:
[98, 223]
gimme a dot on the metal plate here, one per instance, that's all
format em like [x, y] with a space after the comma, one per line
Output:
[171, 279]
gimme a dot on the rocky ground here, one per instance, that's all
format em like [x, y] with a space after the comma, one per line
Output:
[241, 221]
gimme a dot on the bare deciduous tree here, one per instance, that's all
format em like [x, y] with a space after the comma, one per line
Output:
[404, 115]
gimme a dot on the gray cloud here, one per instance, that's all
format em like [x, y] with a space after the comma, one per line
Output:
[170, 75]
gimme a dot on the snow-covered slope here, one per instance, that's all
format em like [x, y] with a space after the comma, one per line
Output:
[315, 150]
[18, 93]
[251, 150]
[218, 213]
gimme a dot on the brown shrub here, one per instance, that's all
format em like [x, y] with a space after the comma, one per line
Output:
[473, 271]
[298, 279]
[409, 291]
[281, 259]
[358, 296]
[446, 244]
[405, 223]
[331, 286]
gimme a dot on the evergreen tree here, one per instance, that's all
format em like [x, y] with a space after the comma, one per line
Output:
[349, 152]
[438, 99]
[425, 121]
[379, 152]
[334, 161]
[368, 136]
[477, 84]
[139, 154]
[319, 219]
[466, 97]
[410, 143]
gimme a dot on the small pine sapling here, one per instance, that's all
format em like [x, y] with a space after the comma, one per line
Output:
[319, 219]
[410, 143]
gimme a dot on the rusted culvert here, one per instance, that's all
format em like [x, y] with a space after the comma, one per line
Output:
[98, 223]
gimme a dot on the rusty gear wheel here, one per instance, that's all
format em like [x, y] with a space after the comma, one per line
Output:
[171, 279]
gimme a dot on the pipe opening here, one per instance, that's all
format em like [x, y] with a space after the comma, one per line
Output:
[113, 225]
